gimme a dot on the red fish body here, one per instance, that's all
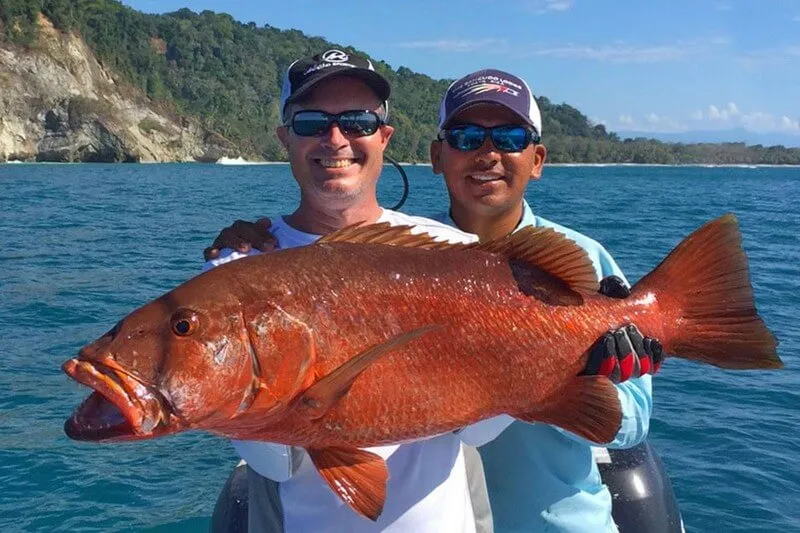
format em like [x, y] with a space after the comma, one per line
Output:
[492, 350]
[353, 343]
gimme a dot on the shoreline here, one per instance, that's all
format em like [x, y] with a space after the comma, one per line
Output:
[234, 163]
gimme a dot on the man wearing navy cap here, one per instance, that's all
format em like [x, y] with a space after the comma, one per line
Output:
[334, 108]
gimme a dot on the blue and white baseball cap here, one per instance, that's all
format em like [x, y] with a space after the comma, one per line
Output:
[493, 87]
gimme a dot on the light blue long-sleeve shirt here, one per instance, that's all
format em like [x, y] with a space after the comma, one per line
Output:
[542, 478]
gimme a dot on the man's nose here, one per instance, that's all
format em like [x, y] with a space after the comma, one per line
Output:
[487, 153]
[335, 136]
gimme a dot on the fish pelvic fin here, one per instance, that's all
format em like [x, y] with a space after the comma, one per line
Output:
[706, 278]
[587, 406]
[542, 250]
[322, 395]
[358, 477]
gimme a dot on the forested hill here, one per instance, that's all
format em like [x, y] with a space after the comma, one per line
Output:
[228, 75]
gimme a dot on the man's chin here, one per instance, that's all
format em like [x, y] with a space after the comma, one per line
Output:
[339, 188]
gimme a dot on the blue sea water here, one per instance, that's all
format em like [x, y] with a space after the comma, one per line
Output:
[82, 245]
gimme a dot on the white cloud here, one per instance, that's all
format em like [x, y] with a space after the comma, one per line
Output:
[766, 122]
[649, 123]
[718, 114]
[715, 117]
[545, 6]
[458, 45]
[787, 124]
[730, 116]
[558, 5]
[771, 57]
[619, 52]
[628, 53]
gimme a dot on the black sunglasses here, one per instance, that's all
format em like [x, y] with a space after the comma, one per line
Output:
[354, 123]
[470, 137]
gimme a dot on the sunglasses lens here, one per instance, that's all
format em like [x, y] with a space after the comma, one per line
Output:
[359, 123]
[309, 123]
[465, 138]
[510, 138]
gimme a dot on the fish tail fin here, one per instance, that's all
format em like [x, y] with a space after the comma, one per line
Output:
[705, 280]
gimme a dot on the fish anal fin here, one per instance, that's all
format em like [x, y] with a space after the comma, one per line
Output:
[322, 395]
[588, 406]
[357, 476]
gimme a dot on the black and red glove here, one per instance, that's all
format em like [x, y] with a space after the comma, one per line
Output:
[623, 353]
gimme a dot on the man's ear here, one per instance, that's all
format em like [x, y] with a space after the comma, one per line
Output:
[539, 155]
[283, 135]
[386, 132]
[436, 156]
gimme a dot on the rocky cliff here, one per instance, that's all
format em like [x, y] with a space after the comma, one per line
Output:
[58, 103]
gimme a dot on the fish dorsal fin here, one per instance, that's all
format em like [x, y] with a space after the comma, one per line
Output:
[385, 233]
[549, 251]
[543, 248]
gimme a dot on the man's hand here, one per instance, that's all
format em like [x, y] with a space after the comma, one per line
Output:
[243, 236]
[623, 353]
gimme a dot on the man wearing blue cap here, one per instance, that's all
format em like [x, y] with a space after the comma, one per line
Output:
[540, 477]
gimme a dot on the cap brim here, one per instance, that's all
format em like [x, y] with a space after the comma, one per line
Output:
[375, 81]
[473, 103]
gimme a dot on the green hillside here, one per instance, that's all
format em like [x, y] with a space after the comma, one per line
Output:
[228, 74]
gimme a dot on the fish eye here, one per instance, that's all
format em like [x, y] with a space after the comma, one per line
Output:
[184, 323]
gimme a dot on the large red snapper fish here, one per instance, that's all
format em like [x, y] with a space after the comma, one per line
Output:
[373, 336]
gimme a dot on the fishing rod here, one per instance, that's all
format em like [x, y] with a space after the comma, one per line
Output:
[405, 182]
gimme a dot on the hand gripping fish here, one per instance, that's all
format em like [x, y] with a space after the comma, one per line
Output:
[373, 336]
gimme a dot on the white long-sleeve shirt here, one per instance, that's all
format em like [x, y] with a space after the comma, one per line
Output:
[427, 491]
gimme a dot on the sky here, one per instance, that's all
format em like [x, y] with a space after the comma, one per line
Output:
[647, 66]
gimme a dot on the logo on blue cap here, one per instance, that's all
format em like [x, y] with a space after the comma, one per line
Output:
[491, 86]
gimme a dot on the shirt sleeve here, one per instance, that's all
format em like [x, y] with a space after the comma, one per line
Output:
[484, 431]
[277, 462]
[226, 255]
[635, 395]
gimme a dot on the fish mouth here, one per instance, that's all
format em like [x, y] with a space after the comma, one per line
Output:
[122, 407]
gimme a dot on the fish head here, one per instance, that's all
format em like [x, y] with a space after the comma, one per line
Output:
[179, 362]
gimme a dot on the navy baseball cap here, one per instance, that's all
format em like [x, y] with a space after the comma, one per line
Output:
[493, 87]
[303, 74]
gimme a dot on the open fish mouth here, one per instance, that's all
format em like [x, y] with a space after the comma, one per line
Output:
[121, 407]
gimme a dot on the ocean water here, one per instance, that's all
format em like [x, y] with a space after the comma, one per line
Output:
[82, 245]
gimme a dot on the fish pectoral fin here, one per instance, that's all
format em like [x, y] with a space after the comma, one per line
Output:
[357, 476]
[587, 406]
[323, 394]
